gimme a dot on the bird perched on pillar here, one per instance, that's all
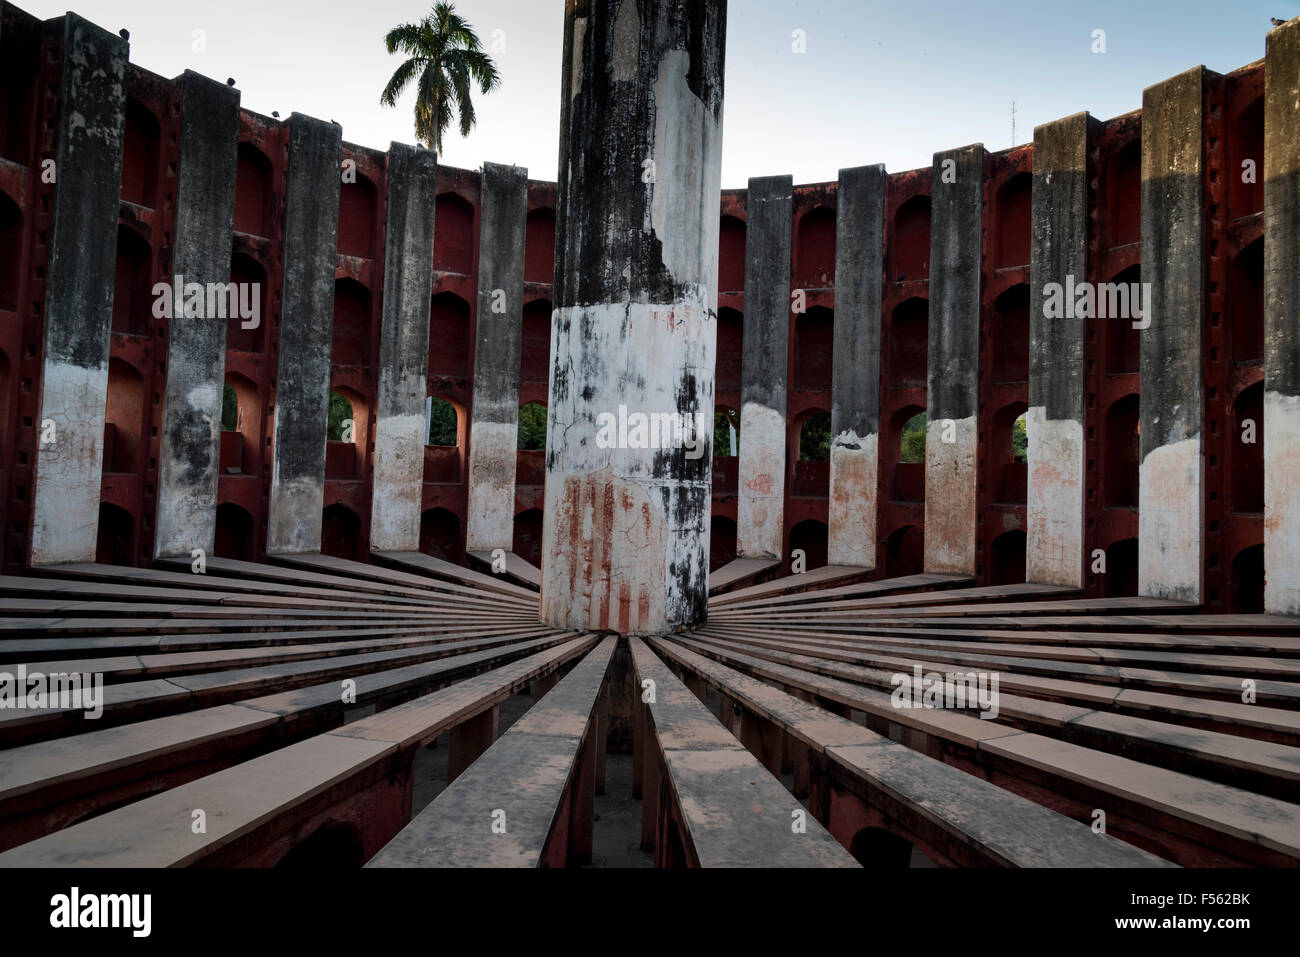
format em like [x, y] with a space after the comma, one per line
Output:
[1276, 21]
[276, 114]
[124, 33]
[230, 81]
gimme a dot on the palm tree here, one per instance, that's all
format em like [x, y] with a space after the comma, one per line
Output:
[446, 60]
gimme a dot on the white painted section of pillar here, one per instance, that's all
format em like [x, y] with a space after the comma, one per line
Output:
[950, 486]
[490, 519]
[760, 502]
[66, 493]
[187, 511]
[295, 519]
[852, 507]
[398, 483]
[619, 554]
[688, 178]
[1054, 509]
[1281, 503]
[1170, 508]
[610, 570]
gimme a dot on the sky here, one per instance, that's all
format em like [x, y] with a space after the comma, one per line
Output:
[879, 82]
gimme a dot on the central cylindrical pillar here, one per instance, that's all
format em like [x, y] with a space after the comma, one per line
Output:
[630, 426]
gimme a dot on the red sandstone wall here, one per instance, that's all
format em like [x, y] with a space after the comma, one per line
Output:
[29, 63]
[29, 67]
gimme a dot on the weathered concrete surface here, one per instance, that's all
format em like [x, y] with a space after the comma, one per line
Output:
[1057, 488]
[494, 421]
[404, 350]
[626, 530]
[521, 782]
[1282, 321]
[1171, 510]
[79, 297]
[306, 329]
[729, 810]
[196, 345]
[953, 373]
[761, 484]
[855, 382]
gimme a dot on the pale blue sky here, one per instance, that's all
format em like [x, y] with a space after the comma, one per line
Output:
[881, 82]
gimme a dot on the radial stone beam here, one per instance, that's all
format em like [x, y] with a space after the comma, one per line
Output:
[626, 532]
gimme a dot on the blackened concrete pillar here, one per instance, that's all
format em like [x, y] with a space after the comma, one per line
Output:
[953, 374]
[1171, 487]
[1055, 420]
[311, 219]
[626, 530]
[79, 297]
[196, 345]
[855, 384]
[1282, 321]
[760, 503]
[494, 422]
[400, 426]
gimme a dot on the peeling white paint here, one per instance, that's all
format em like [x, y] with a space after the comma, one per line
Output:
[66, 491]
[852, 508]
[1055, 500]
[205, 397]
[611, 575]
[1281, 503]
[614, 530]
[490, 518]
[187, 512]
[294, 519]
[398, 482]
[950, 487]
[1171, 521]
[688, 176]
[760, 501]
[187, 515]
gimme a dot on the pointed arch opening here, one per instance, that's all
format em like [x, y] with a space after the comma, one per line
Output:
[253, 191]
[140, 155]
[11, 247]
[539, 246]
[453, 239]
[340, 532]
[816, 249]
[909, 253]
[123, 418]
[115, 541]
[527, 538]
[358, 214]
[132, 290]
[440, 534]
[811, 537]
[247, 335]
[449, 337]
[347, 435]
[351, 336]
